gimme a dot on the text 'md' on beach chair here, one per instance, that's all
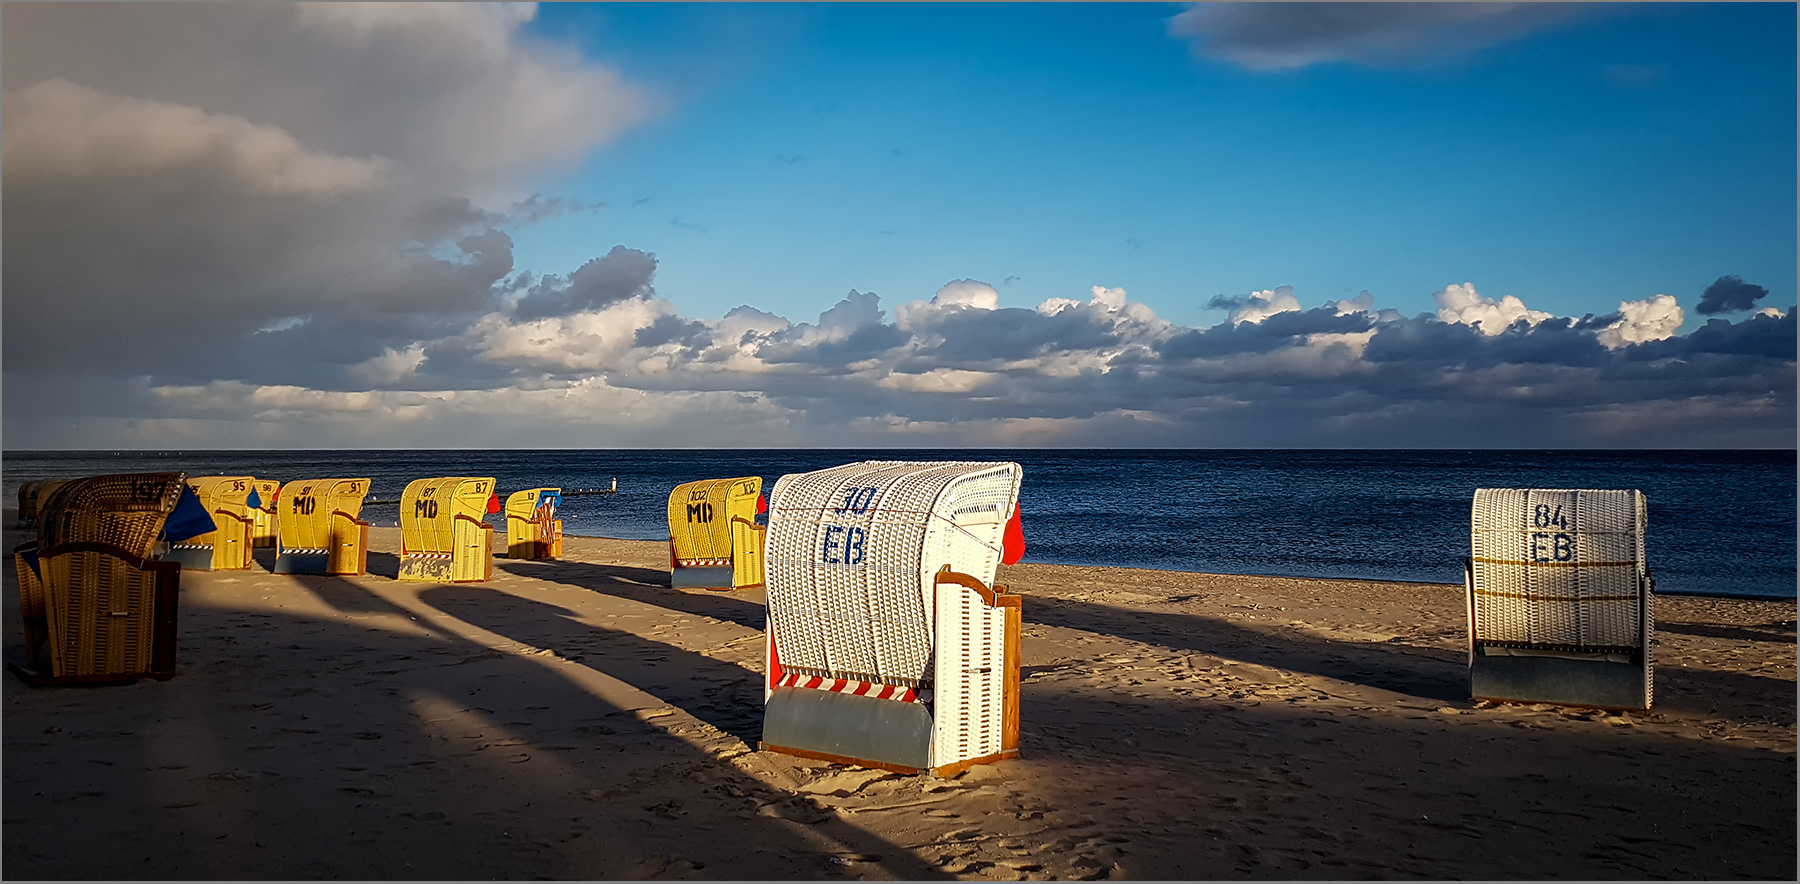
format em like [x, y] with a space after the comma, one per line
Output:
[442, 536]
[1560, 598]
[715, 535]
[319, 529]
[263, 497]
[227, 547]
[532, 529]
[91, 587]
[886, 645]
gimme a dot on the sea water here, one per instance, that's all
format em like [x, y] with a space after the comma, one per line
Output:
[1721, 522]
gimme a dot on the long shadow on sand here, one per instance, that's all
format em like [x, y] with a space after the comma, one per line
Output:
[647, 586]
[722, 694]
[302, 748]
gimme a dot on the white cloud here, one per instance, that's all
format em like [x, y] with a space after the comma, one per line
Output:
[1461, 304]
[1652, 319]
[1258, 306]
[391, 366]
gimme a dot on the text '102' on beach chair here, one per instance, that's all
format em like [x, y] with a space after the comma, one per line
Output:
[1560, 599]
[263, 496]
[886, 645]
[532, 529]
[319, 527]
[442, 536]
[227, 547]
[91, 587]
[716, 535]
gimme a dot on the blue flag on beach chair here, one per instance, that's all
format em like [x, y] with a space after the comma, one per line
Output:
[189, 518]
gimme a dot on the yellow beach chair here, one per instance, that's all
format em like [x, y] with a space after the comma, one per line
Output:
[262, 515]
[91, 587]
[715, 538]
[442, 535]
[320, 529]
[228, 547]
[532, 529]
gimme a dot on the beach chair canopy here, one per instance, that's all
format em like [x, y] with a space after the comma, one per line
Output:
[430, 508]
[224, 496]
[126, 511]
[1558, 568]
[308, 508]
[852, 555]
[701, 516]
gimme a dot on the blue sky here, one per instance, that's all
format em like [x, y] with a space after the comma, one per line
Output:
[324, 225]
[806, 150]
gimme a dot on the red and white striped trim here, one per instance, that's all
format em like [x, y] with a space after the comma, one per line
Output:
[847, 686]
[701, 563]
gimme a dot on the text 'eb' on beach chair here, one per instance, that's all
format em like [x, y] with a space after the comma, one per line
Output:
[1560, 599]
[91, 588]
[887, 645]
[716, 534]
[532, 529]
[228, 546]
[319, 527]
[442, 536]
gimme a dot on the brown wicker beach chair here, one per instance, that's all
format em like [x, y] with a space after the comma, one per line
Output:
[92, 588]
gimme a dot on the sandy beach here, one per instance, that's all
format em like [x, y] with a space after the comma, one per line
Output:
[579, 719]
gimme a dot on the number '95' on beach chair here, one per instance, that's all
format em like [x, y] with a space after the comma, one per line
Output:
[228, 546]
[887, 645]
[1560, 598]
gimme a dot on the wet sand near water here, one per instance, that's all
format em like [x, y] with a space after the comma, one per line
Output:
[580, 719]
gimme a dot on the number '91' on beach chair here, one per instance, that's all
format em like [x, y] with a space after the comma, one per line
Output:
[1560, 599]
[716, 534]
[92, 588]
[887, 645]
[320, 529]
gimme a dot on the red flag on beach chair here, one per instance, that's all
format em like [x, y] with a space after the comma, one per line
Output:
[1012, 547]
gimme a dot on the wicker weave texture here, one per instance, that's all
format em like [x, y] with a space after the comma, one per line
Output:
[31, 606]
[970, 677]
[101, 614]
[850, 553]
[263, 518]
[317, 513]
[124, 510]
[701, 515]
[429, 507]
[1559, 568]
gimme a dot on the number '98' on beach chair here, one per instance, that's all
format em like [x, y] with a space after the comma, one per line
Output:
[1560, 598]
[887, 645]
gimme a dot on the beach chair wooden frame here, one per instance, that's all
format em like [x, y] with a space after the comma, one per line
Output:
[532, 529]
[715, 540]
[91, 588]
[443, 538]
[320, 529]
[263, 517]
[887, 644]
[228, 547]
[1560, 600]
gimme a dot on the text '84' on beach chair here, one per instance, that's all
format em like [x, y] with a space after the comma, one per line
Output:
[886, 644]
[228, 546]
[715, 534]
[1560, 599]
[443, 538]
[91, 587]
[319, 529]
[532, 529]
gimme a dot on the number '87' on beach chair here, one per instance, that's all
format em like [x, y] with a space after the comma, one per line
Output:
[887, 645]
[1560, 599]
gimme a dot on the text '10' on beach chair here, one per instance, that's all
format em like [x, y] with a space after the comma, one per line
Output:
[716, 534]
[319, 527]
[532, 529]
[442, 536]
[263, 497]
[227, 547]
[886, 645]
[1560, 599]
[91, 587]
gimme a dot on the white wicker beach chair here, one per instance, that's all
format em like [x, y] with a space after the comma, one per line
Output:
[1560, 598]
[886, 644]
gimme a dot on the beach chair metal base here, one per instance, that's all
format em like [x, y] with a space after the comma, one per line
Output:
[191, 558]
[1590, 680]
[701, 577]
[287, 562]
[859, 730]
